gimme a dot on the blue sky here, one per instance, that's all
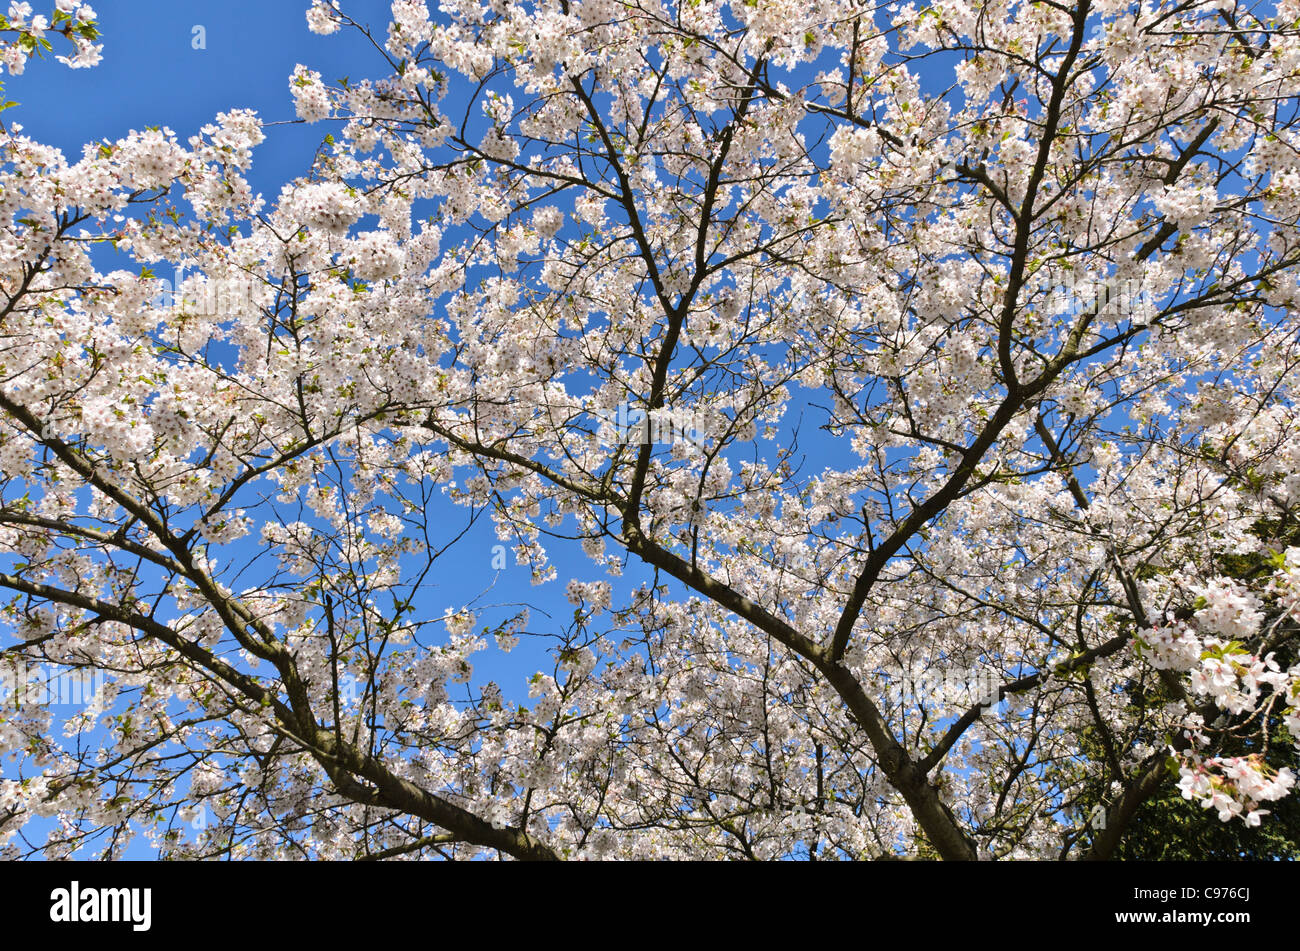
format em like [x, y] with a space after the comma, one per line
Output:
[159, 70]
[178, 64]
[151, 75]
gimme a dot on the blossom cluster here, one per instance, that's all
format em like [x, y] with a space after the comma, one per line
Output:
[71, 19]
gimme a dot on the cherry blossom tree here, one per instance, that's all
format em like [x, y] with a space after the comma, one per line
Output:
[984, 532]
